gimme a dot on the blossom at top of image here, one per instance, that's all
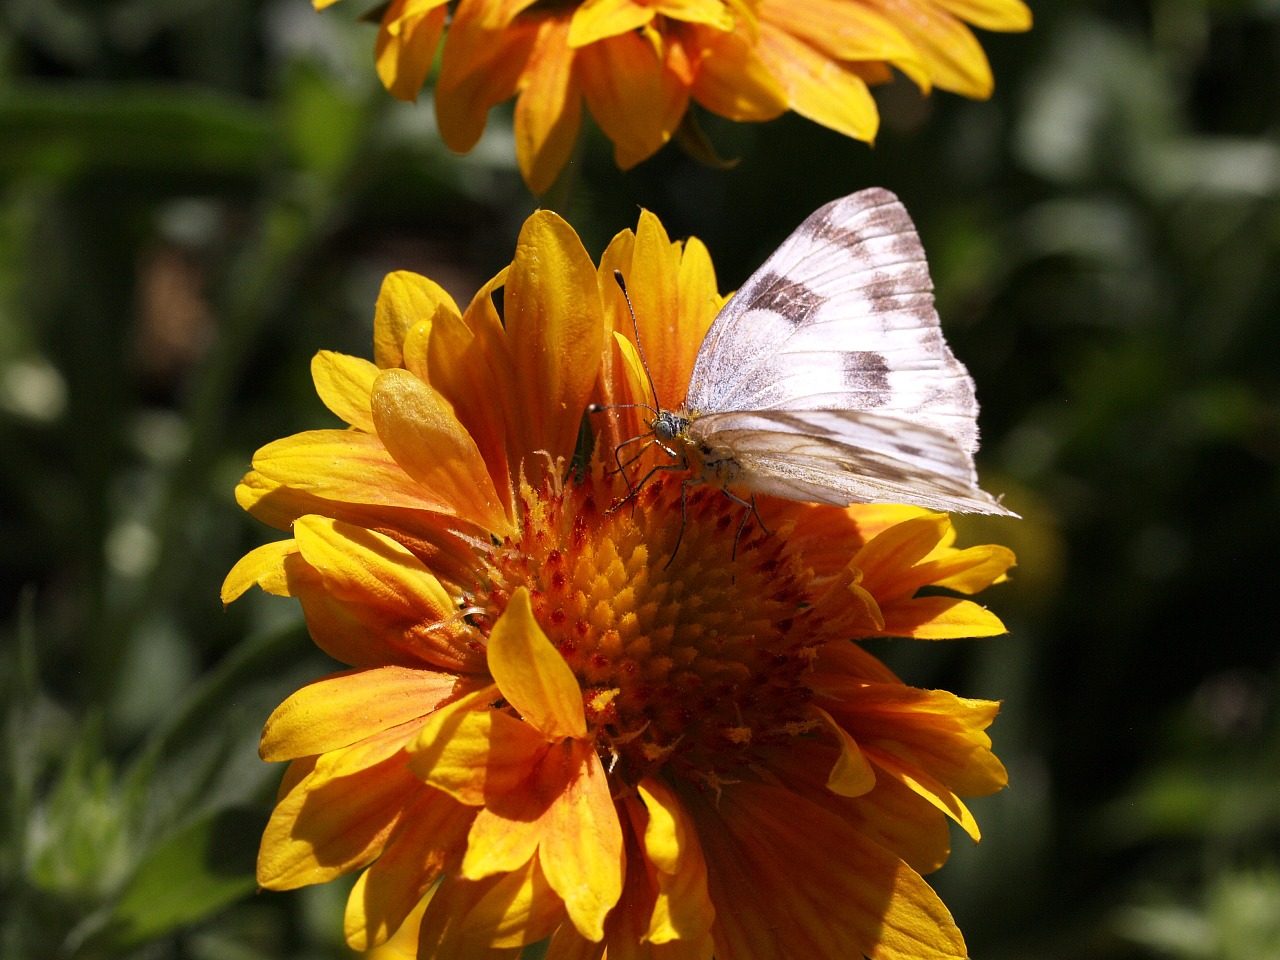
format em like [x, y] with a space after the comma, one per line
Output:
[639, 64]
[637, 725]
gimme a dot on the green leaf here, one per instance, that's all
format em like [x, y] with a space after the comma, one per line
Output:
[194, 873]
[65, 129]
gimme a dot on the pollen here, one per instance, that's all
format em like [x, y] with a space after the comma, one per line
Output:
[692, 653]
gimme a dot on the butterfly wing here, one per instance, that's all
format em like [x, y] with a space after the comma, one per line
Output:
[845, 456]
[840, 317]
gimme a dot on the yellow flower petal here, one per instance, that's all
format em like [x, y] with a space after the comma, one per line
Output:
[683, 911]
[372, 598]
[940, 618]
[712, 13]
[427, 441]
[430, 836]
[968, 571]
[532, 674]
[597, 19]
[345, 466]
[406, 45]
[929, 788]
[948, 48]
[819, 88]
[475, 754]
[886, 562]
[549, 110]
[851, 775]
[449, 928]
[344, 384]
[555, 330]
[263, 566]
[405, 300]
[323, 828]
[346, 707]
[847, 31]
[1002, 15]
[516, 909]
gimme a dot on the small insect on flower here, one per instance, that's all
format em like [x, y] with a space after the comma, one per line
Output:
[826, 378]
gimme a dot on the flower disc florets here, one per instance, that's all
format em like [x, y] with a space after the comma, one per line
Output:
[690, 658]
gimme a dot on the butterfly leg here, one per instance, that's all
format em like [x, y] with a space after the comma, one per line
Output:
[684, 515]
[750, 506]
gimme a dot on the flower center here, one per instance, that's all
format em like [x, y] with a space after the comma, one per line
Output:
[691, 658]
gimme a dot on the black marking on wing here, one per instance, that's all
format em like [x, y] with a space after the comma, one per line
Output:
[788, 298]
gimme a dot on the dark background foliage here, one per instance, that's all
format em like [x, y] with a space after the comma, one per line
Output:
[196, 195]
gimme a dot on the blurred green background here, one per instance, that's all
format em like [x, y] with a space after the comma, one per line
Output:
[196, 195]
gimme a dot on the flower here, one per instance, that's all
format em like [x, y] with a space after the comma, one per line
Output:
[639, 63]
[556, 724]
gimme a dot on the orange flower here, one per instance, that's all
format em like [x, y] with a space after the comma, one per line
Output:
[638, 63]
[555, 723]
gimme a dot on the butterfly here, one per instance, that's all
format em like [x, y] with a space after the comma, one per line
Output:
[826, 377]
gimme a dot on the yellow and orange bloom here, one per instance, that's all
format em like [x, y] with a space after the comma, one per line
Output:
[556, 724]
[638, 64]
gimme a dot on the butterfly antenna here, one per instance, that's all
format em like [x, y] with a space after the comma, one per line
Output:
[635, 325]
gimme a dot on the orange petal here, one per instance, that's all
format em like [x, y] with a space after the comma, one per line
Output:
[431, 836]
[765, 844]
[532, 675]
[406, 45]
[264, 566]
[887, 562]
[555, 332]
[459, 353]
[323, 828]
[634, 98]
[581, 851]
[405, 300]
[344, 384]
[933, 730]
[818, 87]
[549, 110]
[346, 707]
[931, 789]
[385, 587]
[568, 944]
[481, 66]
[476, 754]
[421, 432]
[731, 79]
[890, 815]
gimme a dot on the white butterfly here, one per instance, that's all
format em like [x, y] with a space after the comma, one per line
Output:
[826, 377]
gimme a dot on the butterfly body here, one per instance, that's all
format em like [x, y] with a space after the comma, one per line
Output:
[826, 377]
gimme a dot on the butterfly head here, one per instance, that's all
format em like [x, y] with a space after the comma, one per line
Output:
[667, 426]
